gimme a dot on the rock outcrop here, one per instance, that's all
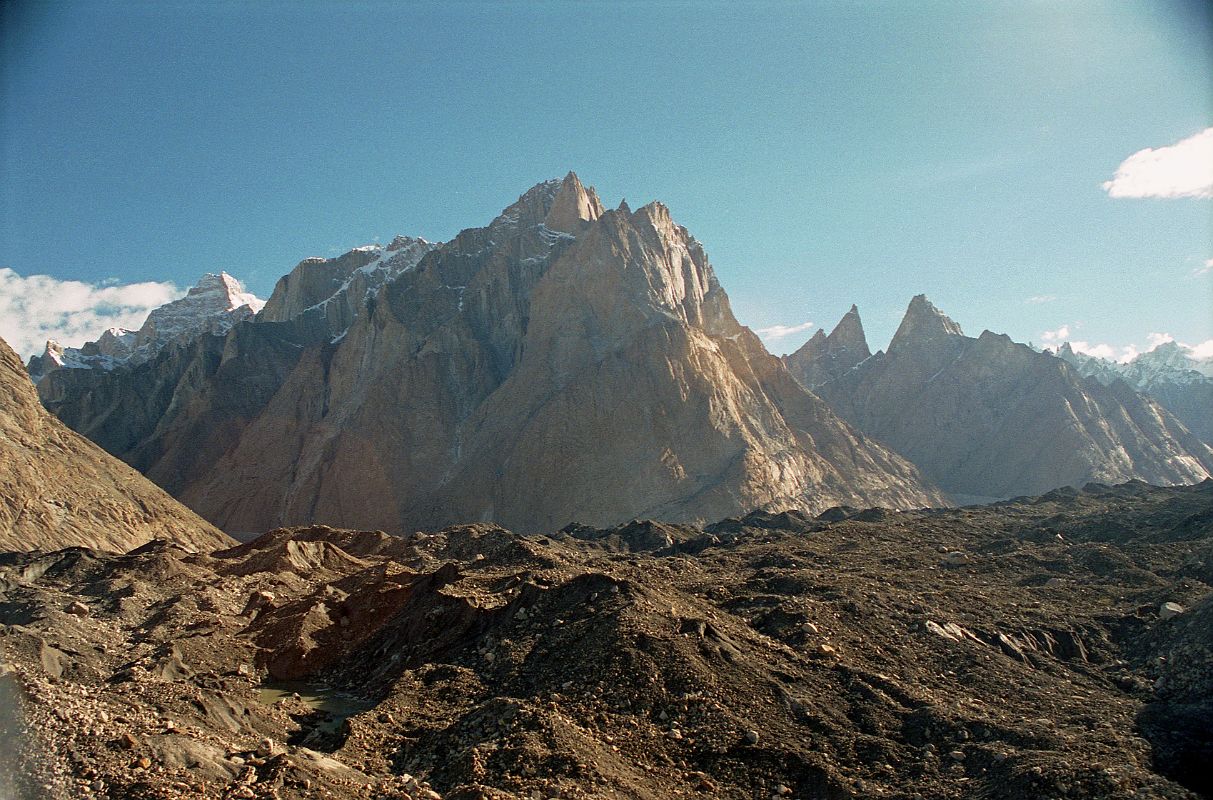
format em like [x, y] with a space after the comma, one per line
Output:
[987, 417]
[563, 364]
[57, 489]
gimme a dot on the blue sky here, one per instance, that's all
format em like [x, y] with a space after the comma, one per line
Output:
[825, 153]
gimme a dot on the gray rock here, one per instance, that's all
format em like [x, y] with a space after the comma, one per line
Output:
[1168, 610]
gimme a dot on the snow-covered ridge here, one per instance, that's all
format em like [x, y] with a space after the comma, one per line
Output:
[215, 304]
[1168, 363]
[403, 254]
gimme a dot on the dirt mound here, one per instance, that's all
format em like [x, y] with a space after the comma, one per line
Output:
[1043, 647]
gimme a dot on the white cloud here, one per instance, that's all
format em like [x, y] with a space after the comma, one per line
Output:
[1056, 337]
[1204, 270]
[1040, 299]
[1155, 339]
[1184, 169]
[1202, 351]
[1123, 353]
[40, 307]
[776, 332]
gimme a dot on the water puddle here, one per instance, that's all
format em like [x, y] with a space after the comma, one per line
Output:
[326, 725]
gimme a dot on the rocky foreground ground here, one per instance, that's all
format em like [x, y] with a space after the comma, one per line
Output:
[1050, 647]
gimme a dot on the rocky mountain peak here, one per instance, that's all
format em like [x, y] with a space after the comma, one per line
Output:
[213, 305]
[208, 306]
[824, 357]
[401, 242]
[923, 323]
[848, 334]
[563, 363]
[572, 206]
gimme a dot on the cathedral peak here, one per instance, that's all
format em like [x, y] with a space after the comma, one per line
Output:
[573, 206]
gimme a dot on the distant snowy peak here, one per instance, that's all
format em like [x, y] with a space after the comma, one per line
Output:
[1170, 373]
[213, 305]
[1168, 363]
[336, 288]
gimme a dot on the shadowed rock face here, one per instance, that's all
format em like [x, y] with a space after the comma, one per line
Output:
[1181, 383]
[563, 364]
[992, 418]
[57, 489]
[824, 358]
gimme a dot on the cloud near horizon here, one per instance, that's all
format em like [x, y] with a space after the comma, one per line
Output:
[1184, 169]
[1124, 353]
[40, 307]
[776, 332]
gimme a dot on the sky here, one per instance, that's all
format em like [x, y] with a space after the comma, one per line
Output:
[1039, 169]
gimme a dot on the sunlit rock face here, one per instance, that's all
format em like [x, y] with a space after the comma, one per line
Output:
[564, 363]
[57, 489]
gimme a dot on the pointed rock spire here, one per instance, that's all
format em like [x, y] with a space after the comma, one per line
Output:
[572, 206]
[823, 358]
[923, 323]
[848, 336]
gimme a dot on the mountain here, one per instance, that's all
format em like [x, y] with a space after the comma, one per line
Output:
[213, 306]
[60, 490]
[565, 363]
[1179, 381]
[823, 358]
[990, 418]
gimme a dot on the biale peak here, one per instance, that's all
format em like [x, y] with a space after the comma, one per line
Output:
[564, 364]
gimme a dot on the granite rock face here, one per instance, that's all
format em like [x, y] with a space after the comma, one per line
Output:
[563, 364]
[57, 489]
[986, 417]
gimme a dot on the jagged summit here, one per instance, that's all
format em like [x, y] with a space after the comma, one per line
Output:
[563, 363]
[824, 357]
[986, 417]
[573, 206]
[923, 323]
[848, 334]
[213, 305]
